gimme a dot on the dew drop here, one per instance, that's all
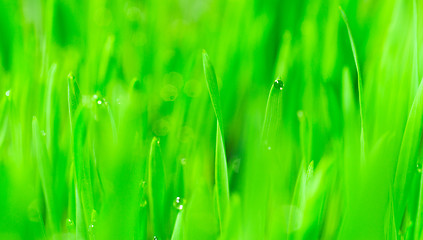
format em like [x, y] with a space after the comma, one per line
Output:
[43, 133]
[91, 228]
[269, 148]
[99, 102]
[179, 203]
[419, 167]
[155, 238]
[278, 84]
[183, 161]
[7, 93]
[69, 223]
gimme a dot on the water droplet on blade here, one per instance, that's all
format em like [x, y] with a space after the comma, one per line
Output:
[69, 224]
[7, 93]
[179, 203]
[278, 84]
[419, 167]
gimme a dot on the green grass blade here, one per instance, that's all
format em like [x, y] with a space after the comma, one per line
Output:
[406, 167]
[213, 88]
[221, 169]
[360, 83]
[45, 173]
[177, 229]
[273, 114]
[73, 97]
[83, 171]
[157, 189]
[49, 108]
[221, 177]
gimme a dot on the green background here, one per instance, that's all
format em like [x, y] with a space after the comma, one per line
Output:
[108, 119]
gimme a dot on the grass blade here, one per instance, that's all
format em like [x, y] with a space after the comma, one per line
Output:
[45, 172]
[360, 83]
[273, 112]
[406, 167]
[177, 230]
[83, 173]
[157, 189]
[73, 97]
[221, 169]
[212, 87]
[221, 177]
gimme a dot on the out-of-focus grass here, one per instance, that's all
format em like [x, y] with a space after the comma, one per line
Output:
[109, 115]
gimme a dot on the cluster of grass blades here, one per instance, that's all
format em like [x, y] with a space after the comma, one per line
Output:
[113, 125]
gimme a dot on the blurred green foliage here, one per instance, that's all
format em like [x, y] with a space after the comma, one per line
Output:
[113, 127]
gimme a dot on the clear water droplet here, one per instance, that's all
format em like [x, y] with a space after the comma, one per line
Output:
[99, 102]
[69, 224]
[155, 238]
[183, 161]
[419, 167]
[117, 101]
[43, 133]
[91, 228]
[95, 97]
[179, 203]
[269, 148]
[278, 84]
[7, 93]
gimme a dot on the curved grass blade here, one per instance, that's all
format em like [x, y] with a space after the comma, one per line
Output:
[157, 189]
[273, 112]
[45, 172]
[221, 169]
[407, 159]
[360, 83]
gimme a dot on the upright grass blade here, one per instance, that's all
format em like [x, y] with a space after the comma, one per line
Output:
[83, 171]
[49, 109]
[157, 189]
[177, 229]
[73, 97]
[221, 169]
[406, 168]
[45, 173]
[360, 84]
[212, 87]
[273, 112]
